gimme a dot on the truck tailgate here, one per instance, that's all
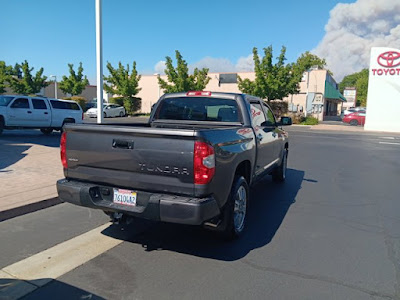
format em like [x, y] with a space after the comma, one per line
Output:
[142, 158]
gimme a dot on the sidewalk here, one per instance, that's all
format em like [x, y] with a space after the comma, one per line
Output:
[28, 172]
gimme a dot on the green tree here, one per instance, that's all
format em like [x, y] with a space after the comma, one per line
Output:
[23, 82]
[307, 60]
[179, 79]
[124, 83]
[359, 80]
[5, 73]
[273, 81]
[75, 83]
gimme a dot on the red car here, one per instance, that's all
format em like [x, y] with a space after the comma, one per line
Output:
[357, 118]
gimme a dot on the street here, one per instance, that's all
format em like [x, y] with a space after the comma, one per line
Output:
[331, 231]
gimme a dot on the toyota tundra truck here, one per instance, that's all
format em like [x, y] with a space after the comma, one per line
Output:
[192, 163]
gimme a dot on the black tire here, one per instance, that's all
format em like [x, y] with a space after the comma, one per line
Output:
[1, 125]
[353, 122]
[121, 114]
[279, 174]
[46, 131]
[233, 219]
[104, 115]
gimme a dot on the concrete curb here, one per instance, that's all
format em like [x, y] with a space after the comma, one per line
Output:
[29, 208]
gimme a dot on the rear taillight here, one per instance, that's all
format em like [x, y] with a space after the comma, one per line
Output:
[83, 115]
[204, 163]
[63, 144]
[198, 93]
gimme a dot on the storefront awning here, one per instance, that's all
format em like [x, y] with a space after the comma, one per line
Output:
[332, 93]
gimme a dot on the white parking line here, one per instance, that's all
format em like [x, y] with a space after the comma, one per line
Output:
[387, 137]
[387, 143]
[52, 263]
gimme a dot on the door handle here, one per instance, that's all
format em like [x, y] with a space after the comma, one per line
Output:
[259, 137]
[46, 113]
[122, 144]
[29, 112]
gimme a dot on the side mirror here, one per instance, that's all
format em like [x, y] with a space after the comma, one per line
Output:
[285, 121]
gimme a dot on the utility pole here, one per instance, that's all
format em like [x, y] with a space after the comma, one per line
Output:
[99, 62]
[55, 85]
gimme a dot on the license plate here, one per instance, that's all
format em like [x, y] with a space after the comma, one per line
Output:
[124, 197]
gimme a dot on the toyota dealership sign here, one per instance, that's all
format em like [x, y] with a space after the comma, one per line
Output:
[383, 101]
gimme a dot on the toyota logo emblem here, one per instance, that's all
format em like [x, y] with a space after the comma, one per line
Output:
[389, 59]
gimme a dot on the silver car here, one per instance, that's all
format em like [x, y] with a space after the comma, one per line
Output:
[109, 110]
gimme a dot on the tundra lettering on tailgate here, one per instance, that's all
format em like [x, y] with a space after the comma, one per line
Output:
[163, 169]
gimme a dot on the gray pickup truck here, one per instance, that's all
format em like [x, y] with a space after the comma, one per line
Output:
[192, 163]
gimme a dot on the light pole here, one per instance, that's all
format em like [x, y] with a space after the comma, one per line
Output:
[99, 63]
[55, 85]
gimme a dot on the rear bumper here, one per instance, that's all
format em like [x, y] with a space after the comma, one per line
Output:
[151, 206]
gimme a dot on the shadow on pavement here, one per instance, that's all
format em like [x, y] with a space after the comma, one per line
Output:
[13, 144]
[268, 207]
[20, 289]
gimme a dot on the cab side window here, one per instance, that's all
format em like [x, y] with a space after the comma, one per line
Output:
[257, 114]
[20, 103]
[270, 116]
[39, 104]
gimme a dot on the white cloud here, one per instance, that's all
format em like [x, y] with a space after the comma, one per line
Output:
[353, 29]
[215, 65]
[245, 64]
[160, 67]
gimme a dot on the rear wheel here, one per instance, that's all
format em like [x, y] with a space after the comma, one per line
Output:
[46, 131]
[353, 122]
[121, 114]
[235, 211]
[1, 125]
[279, 174]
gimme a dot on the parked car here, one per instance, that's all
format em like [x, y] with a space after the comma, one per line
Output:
[192, 163]
[356, 118]
[90, 104]
[109, 110]
[353, 110]
[46, 114]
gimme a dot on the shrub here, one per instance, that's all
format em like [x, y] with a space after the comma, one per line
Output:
[81, 101]
[117, 100]
[279, 108]
[309, 121]
[132, 104]
[297, 118]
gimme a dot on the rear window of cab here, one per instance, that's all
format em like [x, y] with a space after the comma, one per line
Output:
[64, 105]
[199, 109]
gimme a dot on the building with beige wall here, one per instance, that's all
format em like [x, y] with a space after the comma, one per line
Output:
[150, 91]
[319, 95]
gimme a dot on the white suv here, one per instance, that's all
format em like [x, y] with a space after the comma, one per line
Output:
[46, 114]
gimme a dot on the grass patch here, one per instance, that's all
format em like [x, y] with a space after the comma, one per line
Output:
[309, 121]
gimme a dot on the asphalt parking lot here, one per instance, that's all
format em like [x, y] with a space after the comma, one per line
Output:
[331, 231]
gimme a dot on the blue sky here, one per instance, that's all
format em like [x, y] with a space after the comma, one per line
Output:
[51, 34]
